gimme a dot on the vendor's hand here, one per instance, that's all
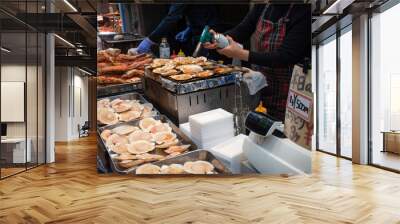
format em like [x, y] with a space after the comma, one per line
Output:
[209, 45]
[234, 50]
[183, 36]
[145, 46]
[132, 51]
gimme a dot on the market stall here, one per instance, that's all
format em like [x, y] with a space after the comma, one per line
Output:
[185, 116]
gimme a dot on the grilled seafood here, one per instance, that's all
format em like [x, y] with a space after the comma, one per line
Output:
[159, 62]
[148, 169]
[182, 77]
[115, 69]
[132, 73]
[205, 74]
[189, 69]
[223, 70]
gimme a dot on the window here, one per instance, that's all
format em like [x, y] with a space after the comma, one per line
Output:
[385, 87]
[346, 93]
[327, 96]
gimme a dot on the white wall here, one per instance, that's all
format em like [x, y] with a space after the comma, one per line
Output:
[71, 94]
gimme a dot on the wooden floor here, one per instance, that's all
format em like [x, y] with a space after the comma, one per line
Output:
[70, 191]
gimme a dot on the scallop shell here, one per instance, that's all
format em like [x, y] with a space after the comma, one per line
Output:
[140, 147]
[172, 169]
[146, 123]
[162, 137]
[129, 115]
[148, 169]
[124, 129]
[106, 116]
[140, 135]
[198, 167]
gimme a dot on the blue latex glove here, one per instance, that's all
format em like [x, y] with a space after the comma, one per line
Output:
[145, 46]
[183, 36]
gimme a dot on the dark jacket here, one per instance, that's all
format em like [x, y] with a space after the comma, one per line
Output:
[197, 16]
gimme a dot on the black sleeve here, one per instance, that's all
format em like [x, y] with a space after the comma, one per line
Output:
[295, 46]
[175, 13]
[242, 32]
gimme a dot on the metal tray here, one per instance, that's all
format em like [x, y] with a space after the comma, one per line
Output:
[128, 96]
[117, 89]
[195, 156]
[183, 139]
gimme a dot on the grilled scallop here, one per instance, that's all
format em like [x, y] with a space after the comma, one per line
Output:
[189, 69]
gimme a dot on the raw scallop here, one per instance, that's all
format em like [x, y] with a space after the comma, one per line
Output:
[172, 169]
[140, 147]
[149, 157]
[117, 139]
[177, 148]
[198, 167]
[103, 103]
[162, 137]
[107, 116]
[122, 106]
[168, 144]
[105, 134]
[146, 123]
[140, 135]
[125, 156]
[124, 129]
[119, 148]
[130, 163]
[160, 127]
[129, 115]
[148, 169]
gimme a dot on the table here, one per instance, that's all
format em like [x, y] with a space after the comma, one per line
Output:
[391, 141]
[13, 150]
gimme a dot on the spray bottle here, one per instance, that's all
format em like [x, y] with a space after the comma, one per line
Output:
[207, 36]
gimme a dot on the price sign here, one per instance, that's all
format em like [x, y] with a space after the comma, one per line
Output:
[299, 123]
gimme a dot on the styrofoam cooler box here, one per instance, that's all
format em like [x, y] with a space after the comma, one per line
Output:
[185, 128]
[210, 128]
[230, 152]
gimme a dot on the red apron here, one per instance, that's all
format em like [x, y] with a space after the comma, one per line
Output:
[268, 37]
